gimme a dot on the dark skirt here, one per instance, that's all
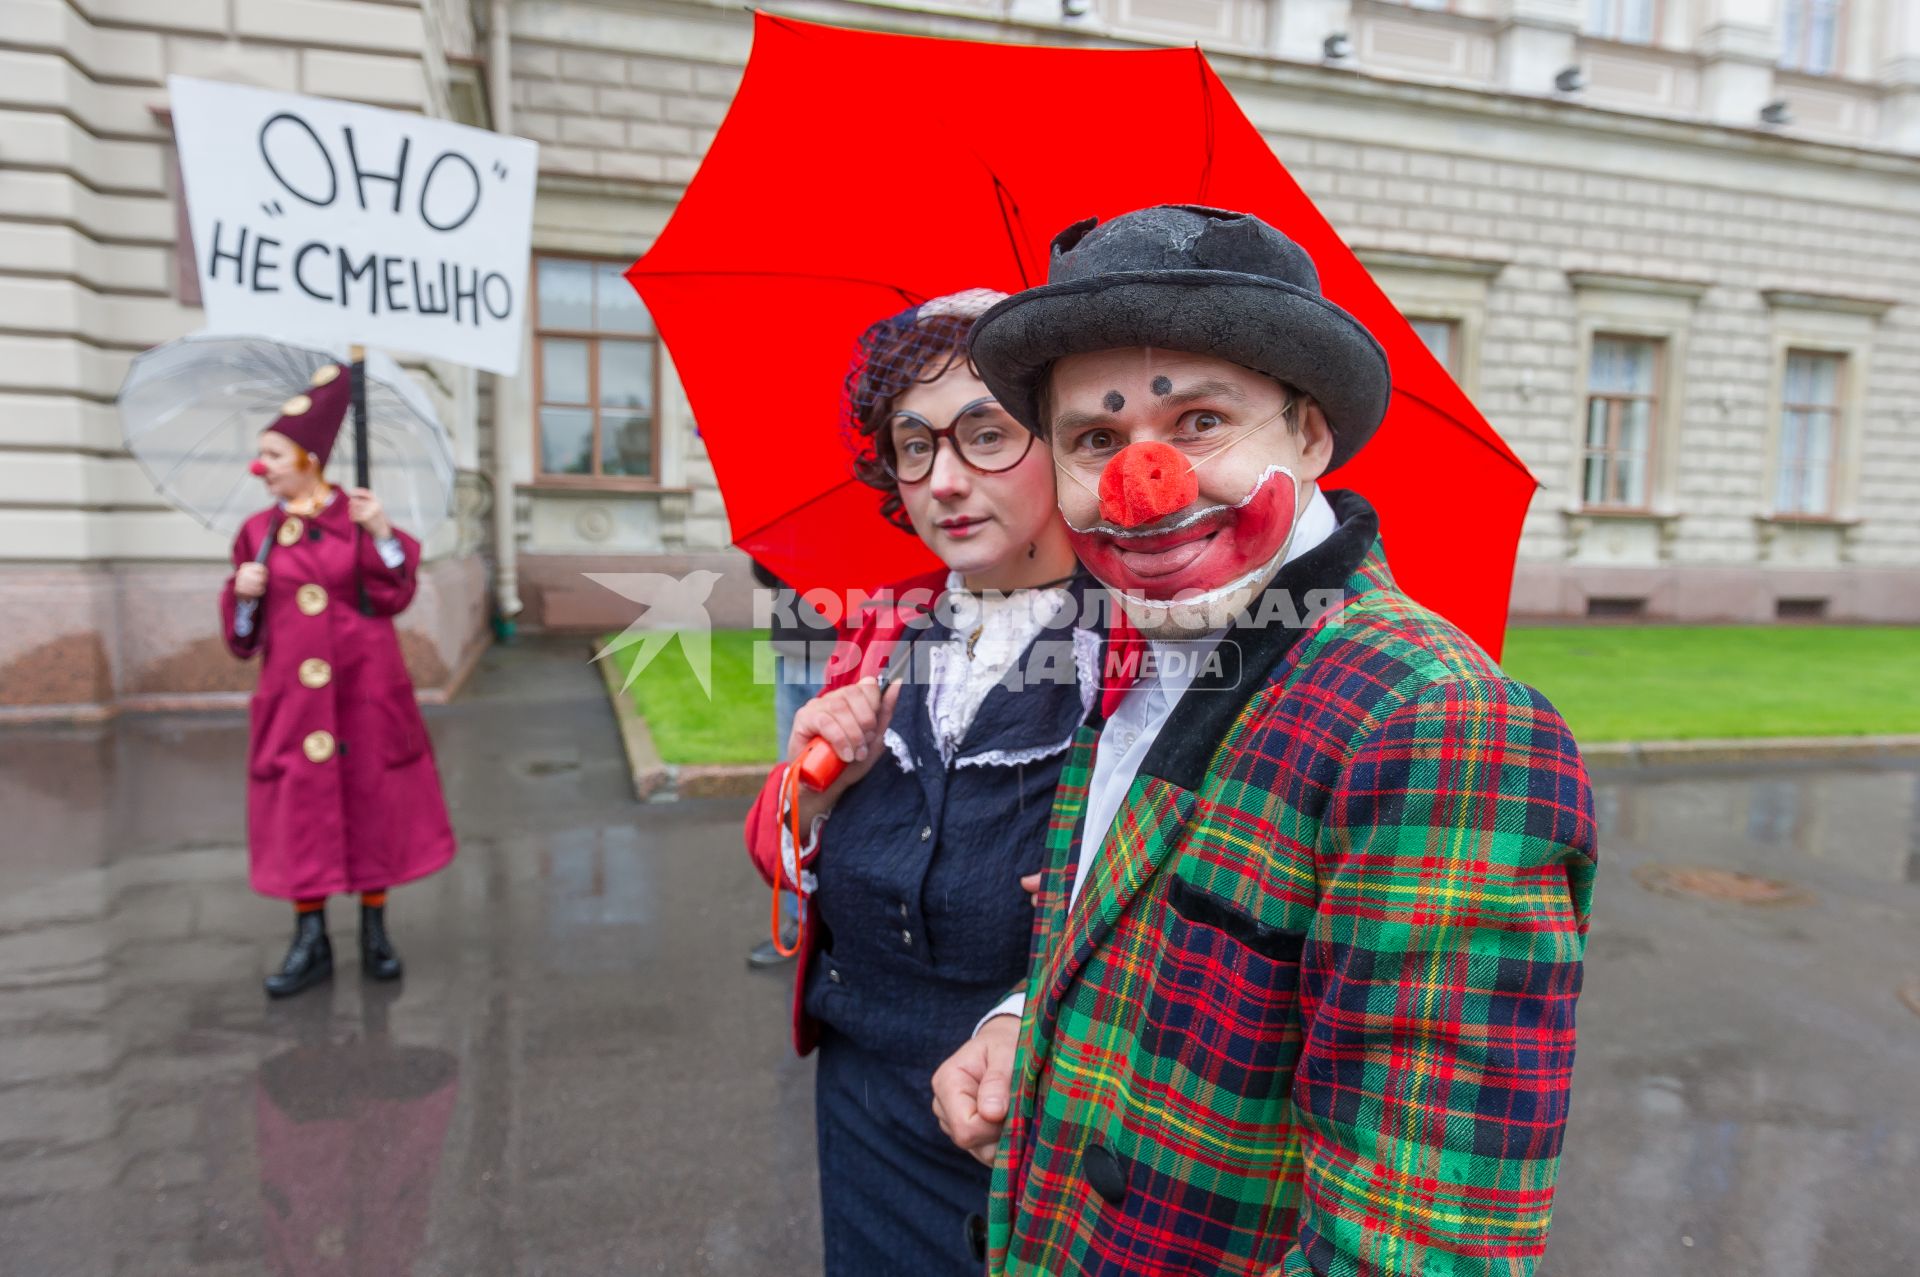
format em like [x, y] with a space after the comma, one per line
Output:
[895, 1194]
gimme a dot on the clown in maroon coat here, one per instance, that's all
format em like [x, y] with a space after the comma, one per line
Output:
[342, 793]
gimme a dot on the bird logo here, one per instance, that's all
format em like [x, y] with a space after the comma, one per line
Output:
[676, 607]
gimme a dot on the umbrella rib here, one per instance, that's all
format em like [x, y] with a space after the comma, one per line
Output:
[1475, 435]
[1206, 122]
[788, 514]
[1003, 198]
[1002, 195]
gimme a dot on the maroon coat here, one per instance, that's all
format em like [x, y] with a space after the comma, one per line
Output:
[342, 793]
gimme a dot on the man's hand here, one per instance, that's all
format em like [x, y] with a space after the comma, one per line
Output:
[250, 581]
[970, 1091]
[853, 720]
[365, 509]
[1031, 885]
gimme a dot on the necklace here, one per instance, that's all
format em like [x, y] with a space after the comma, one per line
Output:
[973, 639]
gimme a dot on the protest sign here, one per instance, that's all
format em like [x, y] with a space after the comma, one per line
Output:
[328, 222]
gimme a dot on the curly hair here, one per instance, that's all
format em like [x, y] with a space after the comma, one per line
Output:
[916, 346]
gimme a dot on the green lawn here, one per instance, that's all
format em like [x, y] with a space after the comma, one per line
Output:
[734, 726]
[1644, 682]
[1690, 682]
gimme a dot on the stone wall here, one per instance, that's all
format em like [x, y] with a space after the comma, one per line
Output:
[1532, 223]
[110, 593]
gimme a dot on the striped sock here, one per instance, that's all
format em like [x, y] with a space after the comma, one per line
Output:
[310, 906]
[373, 899]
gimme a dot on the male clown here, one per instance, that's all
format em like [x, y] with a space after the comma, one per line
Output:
[1310, 935]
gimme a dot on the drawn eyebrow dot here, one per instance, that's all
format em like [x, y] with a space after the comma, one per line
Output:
[1115, 401]
[1163, 386]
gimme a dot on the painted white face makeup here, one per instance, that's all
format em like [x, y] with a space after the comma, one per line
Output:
[1182, 478]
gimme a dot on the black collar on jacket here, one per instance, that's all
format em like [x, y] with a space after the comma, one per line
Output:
[1201, 720]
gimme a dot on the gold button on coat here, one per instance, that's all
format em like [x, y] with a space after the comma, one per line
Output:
[319, 746]
[315, 672]
[290, 529]
[312, 599]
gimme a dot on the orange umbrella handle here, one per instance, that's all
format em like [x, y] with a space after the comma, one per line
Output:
[819, 766]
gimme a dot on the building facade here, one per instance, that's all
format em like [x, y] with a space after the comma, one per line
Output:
[1671, 247]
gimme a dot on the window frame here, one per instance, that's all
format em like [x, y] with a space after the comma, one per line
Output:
[1657, 309]
[1836, 434]
[1795, 60]
[1650, 457]
[596, 481]
[1656, 17]
[1456, 339]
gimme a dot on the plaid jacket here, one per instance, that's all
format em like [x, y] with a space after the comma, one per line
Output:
[1313, 1010]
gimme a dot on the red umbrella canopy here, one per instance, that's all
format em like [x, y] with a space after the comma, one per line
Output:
[859, 173]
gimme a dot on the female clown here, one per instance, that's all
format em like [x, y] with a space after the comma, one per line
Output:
[916, 919]
[342, 792]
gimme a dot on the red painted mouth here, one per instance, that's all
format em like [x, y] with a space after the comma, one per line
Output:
[1202, 556]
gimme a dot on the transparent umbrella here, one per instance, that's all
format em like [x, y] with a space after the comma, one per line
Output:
[192, 410]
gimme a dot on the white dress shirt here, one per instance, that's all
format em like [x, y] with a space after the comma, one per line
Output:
[1136, 722]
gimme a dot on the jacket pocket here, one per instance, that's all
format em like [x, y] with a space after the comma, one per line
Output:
[403, 732]
[1222, 1024]
[266, 752]
[1207, 1121]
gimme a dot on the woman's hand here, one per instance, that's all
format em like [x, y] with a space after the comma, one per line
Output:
[853, 720]
[250, 581]
[365, 509]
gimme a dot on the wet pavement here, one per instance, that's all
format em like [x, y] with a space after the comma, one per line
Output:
[579, 1076]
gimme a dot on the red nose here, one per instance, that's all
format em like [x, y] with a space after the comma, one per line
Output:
[1146, 481]
[258, 469]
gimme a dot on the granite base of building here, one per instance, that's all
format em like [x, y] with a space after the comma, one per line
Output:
[558, 594]
[1716, 595]
[91, 641]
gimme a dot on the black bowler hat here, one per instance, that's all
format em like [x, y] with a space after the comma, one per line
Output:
[1201, 280]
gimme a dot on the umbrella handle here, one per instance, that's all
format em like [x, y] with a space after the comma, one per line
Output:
[818, 766]
[245, 608]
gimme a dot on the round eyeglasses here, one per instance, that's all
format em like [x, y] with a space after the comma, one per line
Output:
[985, 438]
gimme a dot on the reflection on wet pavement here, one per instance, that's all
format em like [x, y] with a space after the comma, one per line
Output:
[579, 1076]
[1743, 1096]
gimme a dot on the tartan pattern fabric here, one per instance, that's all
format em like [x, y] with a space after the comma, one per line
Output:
[1320, 1011]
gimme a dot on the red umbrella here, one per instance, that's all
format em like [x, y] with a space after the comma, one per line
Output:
[858, 173]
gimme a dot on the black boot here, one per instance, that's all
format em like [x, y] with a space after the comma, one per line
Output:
[377, 957]
[309, 958]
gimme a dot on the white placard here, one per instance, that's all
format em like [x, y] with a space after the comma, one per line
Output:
[333, 222]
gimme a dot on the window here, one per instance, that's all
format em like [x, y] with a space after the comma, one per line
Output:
[1810, 36]
[1626, 20]
[1442, 337]
[1809, 433]
[596, 373]
[1622, 409]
